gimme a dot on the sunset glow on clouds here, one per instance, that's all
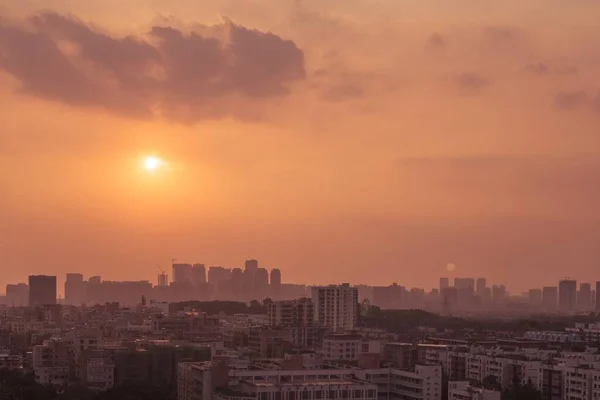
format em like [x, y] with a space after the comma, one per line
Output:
[324, 138]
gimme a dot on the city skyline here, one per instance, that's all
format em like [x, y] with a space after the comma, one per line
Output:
[475, 297]
[158, 274]
[327, 139]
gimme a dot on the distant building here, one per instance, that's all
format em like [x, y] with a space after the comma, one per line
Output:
[251, 265]
[550, 298]
[480, 286]
[597, 296]
[75, 289]
[163, 279]
[275, 278]
[444, 283]
[567, 295]
[336, 306]
[584, 299]
[182, 273]
[17, 295]
[42, 290]
[535, 297]
[198, 274]
[261, 283]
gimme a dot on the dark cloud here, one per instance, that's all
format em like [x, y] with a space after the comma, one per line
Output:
[63, 59]
[502, 35]
[471, 82]
[437, 40]
[571, 100]
[542, 69]
[537, 68]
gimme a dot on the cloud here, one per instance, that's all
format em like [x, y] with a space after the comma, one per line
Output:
[437, 40]
[471, 82]
[537, 68]
[342, 93]
[181, 75]
[571, 100]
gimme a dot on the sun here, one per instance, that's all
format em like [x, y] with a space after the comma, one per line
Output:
[152, 163]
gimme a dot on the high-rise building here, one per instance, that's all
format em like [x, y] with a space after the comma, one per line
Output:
[499, 293]
[17, 295]
[275, 283]
[550, 298]
[275, 277]
[182, 273]
[198, 274]
[251, 265]
[464, 283]
[218, 274]
[567, 295]
[480, 286]
[42, 290]
[598, 296]
[444, 283]
[291, 312]
[535, 296]
[584, 299]
[163, 280]
[75, 289]
[336, 306]
[261, 283]
[94, 290]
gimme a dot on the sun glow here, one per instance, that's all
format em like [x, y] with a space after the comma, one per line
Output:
[152, 163]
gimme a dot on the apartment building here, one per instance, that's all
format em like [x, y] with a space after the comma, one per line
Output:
[336, 306]
[462, 390]
[210, 380]
[298, 312]
[50, 362]
[10, 361]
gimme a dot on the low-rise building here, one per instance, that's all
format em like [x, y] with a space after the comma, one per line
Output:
[462, 390]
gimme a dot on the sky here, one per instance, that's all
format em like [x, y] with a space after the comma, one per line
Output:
[340, 141]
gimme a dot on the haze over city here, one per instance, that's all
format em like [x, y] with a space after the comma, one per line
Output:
[385, 140]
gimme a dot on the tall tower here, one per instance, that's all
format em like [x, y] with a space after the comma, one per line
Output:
[567, 295]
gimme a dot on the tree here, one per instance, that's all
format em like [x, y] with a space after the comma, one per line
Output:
[490, 382]
[522, 392]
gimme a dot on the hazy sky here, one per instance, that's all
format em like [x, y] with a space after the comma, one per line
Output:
[369, 141]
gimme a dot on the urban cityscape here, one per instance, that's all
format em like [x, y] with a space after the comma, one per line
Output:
[241, 333]
[299, 200]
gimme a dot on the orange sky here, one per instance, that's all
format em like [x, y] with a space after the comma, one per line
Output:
[363, 141]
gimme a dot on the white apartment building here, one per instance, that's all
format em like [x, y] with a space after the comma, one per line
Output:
[436, 354]
[349, 347]
[350, 389]
[50, 363]
[336, 306]
[209, 381]
[99, 373]
[299, 312]
[10, 361]
[461, 390]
